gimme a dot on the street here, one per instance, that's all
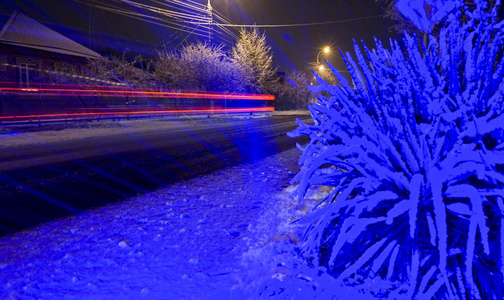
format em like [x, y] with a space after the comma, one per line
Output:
[46, 178]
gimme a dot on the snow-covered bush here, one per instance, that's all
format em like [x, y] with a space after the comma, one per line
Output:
[414, 152]
[292, 92]
[127, 70]
[199, 66]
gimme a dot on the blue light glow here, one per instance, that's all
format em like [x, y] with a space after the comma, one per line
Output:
[6, 135]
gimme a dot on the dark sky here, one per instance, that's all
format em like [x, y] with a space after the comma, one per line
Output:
[298, 46]
[293, 47]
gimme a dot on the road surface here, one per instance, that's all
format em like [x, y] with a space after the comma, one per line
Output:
[43, 178]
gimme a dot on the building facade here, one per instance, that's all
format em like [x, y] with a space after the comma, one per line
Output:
[32, 53]
[33, 56]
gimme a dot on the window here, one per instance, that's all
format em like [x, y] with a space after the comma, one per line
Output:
[63, 70]
[3, 63]
[28, 74]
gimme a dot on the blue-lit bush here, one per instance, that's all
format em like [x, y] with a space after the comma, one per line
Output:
[413, 152]
[199, 67]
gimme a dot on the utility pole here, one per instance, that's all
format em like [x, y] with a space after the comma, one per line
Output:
[210, 22]
[210, 28]
[89, 24]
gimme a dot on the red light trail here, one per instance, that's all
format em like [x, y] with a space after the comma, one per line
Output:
[120, 108]
[205, 110]
[103, 91]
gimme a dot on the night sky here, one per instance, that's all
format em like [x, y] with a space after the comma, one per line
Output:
[293, 47]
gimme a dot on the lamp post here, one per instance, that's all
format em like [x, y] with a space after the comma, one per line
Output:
[210, 29]
[320, 67]
[325, 50]
[210, 21]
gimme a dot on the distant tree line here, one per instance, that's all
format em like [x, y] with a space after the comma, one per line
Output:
[247, 68]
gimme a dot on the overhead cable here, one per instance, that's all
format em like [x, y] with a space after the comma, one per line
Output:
[296, 25]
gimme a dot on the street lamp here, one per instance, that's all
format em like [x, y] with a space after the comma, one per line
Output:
[320, 67]
[325, 50]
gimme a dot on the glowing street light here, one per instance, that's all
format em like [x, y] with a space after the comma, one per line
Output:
[325, 50]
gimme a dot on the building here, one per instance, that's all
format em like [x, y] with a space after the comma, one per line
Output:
[33, 56]
[30, 53]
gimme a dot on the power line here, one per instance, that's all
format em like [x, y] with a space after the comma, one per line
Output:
[185, 16]
[165, 12]
[143, 17]
[295, 25]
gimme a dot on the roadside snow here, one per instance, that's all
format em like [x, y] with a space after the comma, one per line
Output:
[227, 235]
[16, 135]
[211, 237]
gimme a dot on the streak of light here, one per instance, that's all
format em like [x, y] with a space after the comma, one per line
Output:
[126, 93]
[150, 112]
[6, 135]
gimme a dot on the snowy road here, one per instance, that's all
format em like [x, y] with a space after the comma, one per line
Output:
[53, 173]
[186, 241]
[31, 149]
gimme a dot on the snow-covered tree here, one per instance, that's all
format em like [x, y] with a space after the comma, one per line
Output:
[293, 92]
[253, 55]
[104, 71]
[115, 70]
[413, 155]
[400, 23]
[199, 66]
[129, 71]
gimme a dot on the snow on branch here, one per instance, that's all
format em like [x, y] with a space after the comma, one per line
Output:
[416, 149]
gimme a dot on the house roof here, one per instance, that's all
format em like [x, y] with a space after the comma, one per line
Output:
[23, 31]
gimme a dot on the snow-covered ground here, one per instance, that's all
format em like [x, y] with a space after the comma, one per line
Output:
[22, 135]
[227, 235]
[206, 238]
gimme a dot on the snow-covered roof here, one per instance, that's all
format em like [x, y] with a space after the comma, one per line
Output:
[23, 31]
